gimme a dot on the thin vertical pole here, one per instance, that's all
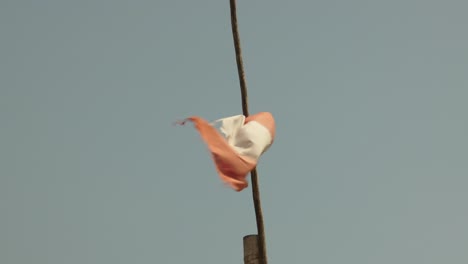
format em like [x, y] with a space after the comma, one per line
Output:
[245, 110]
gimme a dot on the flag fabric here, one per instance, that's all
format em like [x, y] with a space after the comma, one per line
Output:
[237, 149]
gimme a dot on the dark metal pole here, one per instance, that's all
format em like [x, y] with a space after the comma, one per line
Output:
[251, 254]
[245, 110]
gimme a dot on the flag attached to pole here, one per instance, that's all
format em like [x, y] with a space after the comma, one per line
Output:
[237, 150]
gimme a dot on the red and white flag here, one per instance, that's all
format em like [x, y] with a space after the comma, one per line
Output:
[236, 151]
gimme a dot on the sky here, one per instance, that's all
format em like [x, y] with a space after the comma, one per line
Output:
[369, 164]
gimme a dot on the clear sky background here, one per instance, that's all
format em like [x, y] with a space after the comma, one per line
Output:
[369, 164]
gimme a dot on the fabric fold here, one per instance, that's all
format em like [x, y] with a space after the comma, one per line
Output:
[237, 152]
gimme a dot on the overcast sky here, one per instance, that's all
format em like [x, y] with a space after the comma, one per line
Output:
[369, 164]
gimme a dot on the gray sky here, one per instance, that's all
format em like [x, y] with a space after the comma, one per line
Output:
[369, 163]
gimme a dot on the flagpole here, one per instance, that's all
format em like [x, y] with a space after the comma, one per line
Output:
[245, 109]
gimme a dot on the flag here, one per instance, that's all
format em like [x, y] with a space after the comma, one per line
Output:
[237, 149]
